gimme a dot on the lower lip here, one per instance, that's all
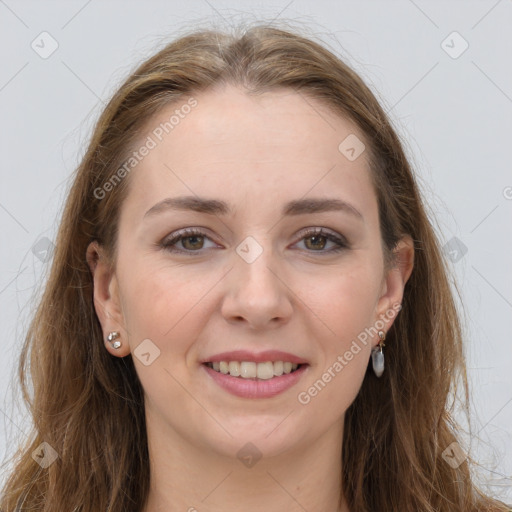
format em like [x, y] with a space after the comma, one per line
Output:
[247, 388]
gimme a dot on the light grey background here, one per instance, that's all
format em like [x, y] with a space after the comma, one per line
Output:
[454, 112]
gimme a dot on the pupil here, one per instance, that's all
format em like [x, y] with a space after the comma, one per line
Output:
[194, 238]
[316, 239]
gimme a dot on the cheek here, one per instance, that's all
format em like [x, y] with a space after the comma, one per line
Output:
[345, 300]
[344, 304]
[167, 306]
[164, 303]
[333, 388]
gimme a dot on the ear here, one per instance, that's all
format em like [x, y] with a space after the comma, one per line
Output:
[394, 282]
[106, 298]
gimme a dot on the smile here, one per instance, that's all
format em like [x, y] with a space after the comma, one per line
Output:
[252, 370]
[255, 380]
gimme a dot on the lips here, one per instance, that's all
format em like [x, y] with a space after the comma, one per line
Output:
[255, 357]
[255, 374]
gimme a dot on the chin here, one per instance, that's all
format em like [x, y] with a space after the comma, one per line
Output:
[252, 440]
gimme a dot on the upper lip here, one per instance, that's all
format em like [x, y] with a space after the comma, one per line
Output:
[257, 357]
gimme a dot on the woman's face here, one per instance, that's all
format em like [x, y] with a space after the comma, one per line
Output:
[261, 176]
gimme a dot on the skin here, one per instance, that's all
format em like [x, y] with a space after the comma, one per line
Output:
[255, 153]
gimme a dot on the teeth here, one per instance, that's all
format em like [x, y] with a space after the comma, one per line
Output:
[234, 368]
[265, 370]
[251, 370]
[248, 370]
[278, 368]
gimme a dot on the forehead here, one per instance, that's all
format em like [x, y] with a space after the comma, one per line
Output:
[247, 148]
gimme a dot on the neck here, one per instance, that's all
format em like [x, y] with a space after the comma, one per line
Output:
[192, 478]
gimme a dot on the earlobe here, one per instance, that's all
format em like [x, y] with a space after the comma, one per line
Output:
[106, 299]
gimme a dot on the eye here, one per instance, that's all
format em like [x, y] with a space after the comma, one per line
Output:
[316, 240]
[191, 240]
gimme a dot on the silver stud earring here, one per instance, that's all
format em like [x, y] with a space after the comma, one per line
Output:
[112, 336]
[378, 355]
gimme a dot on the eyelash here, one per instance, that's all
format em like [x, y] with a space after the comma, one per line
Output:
[168, 244]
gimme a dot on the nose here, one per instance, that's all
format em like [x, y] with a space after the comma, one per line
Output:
[257, 294]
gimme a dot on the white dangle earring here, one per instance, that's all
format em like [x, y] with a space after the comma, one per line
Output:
[378, 355]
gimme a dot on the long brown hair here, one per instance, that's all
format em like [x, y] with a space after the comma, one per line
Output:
[89, 406]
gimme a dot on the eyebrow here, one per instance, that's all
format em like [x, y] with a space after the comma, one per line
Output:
[218, 207]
